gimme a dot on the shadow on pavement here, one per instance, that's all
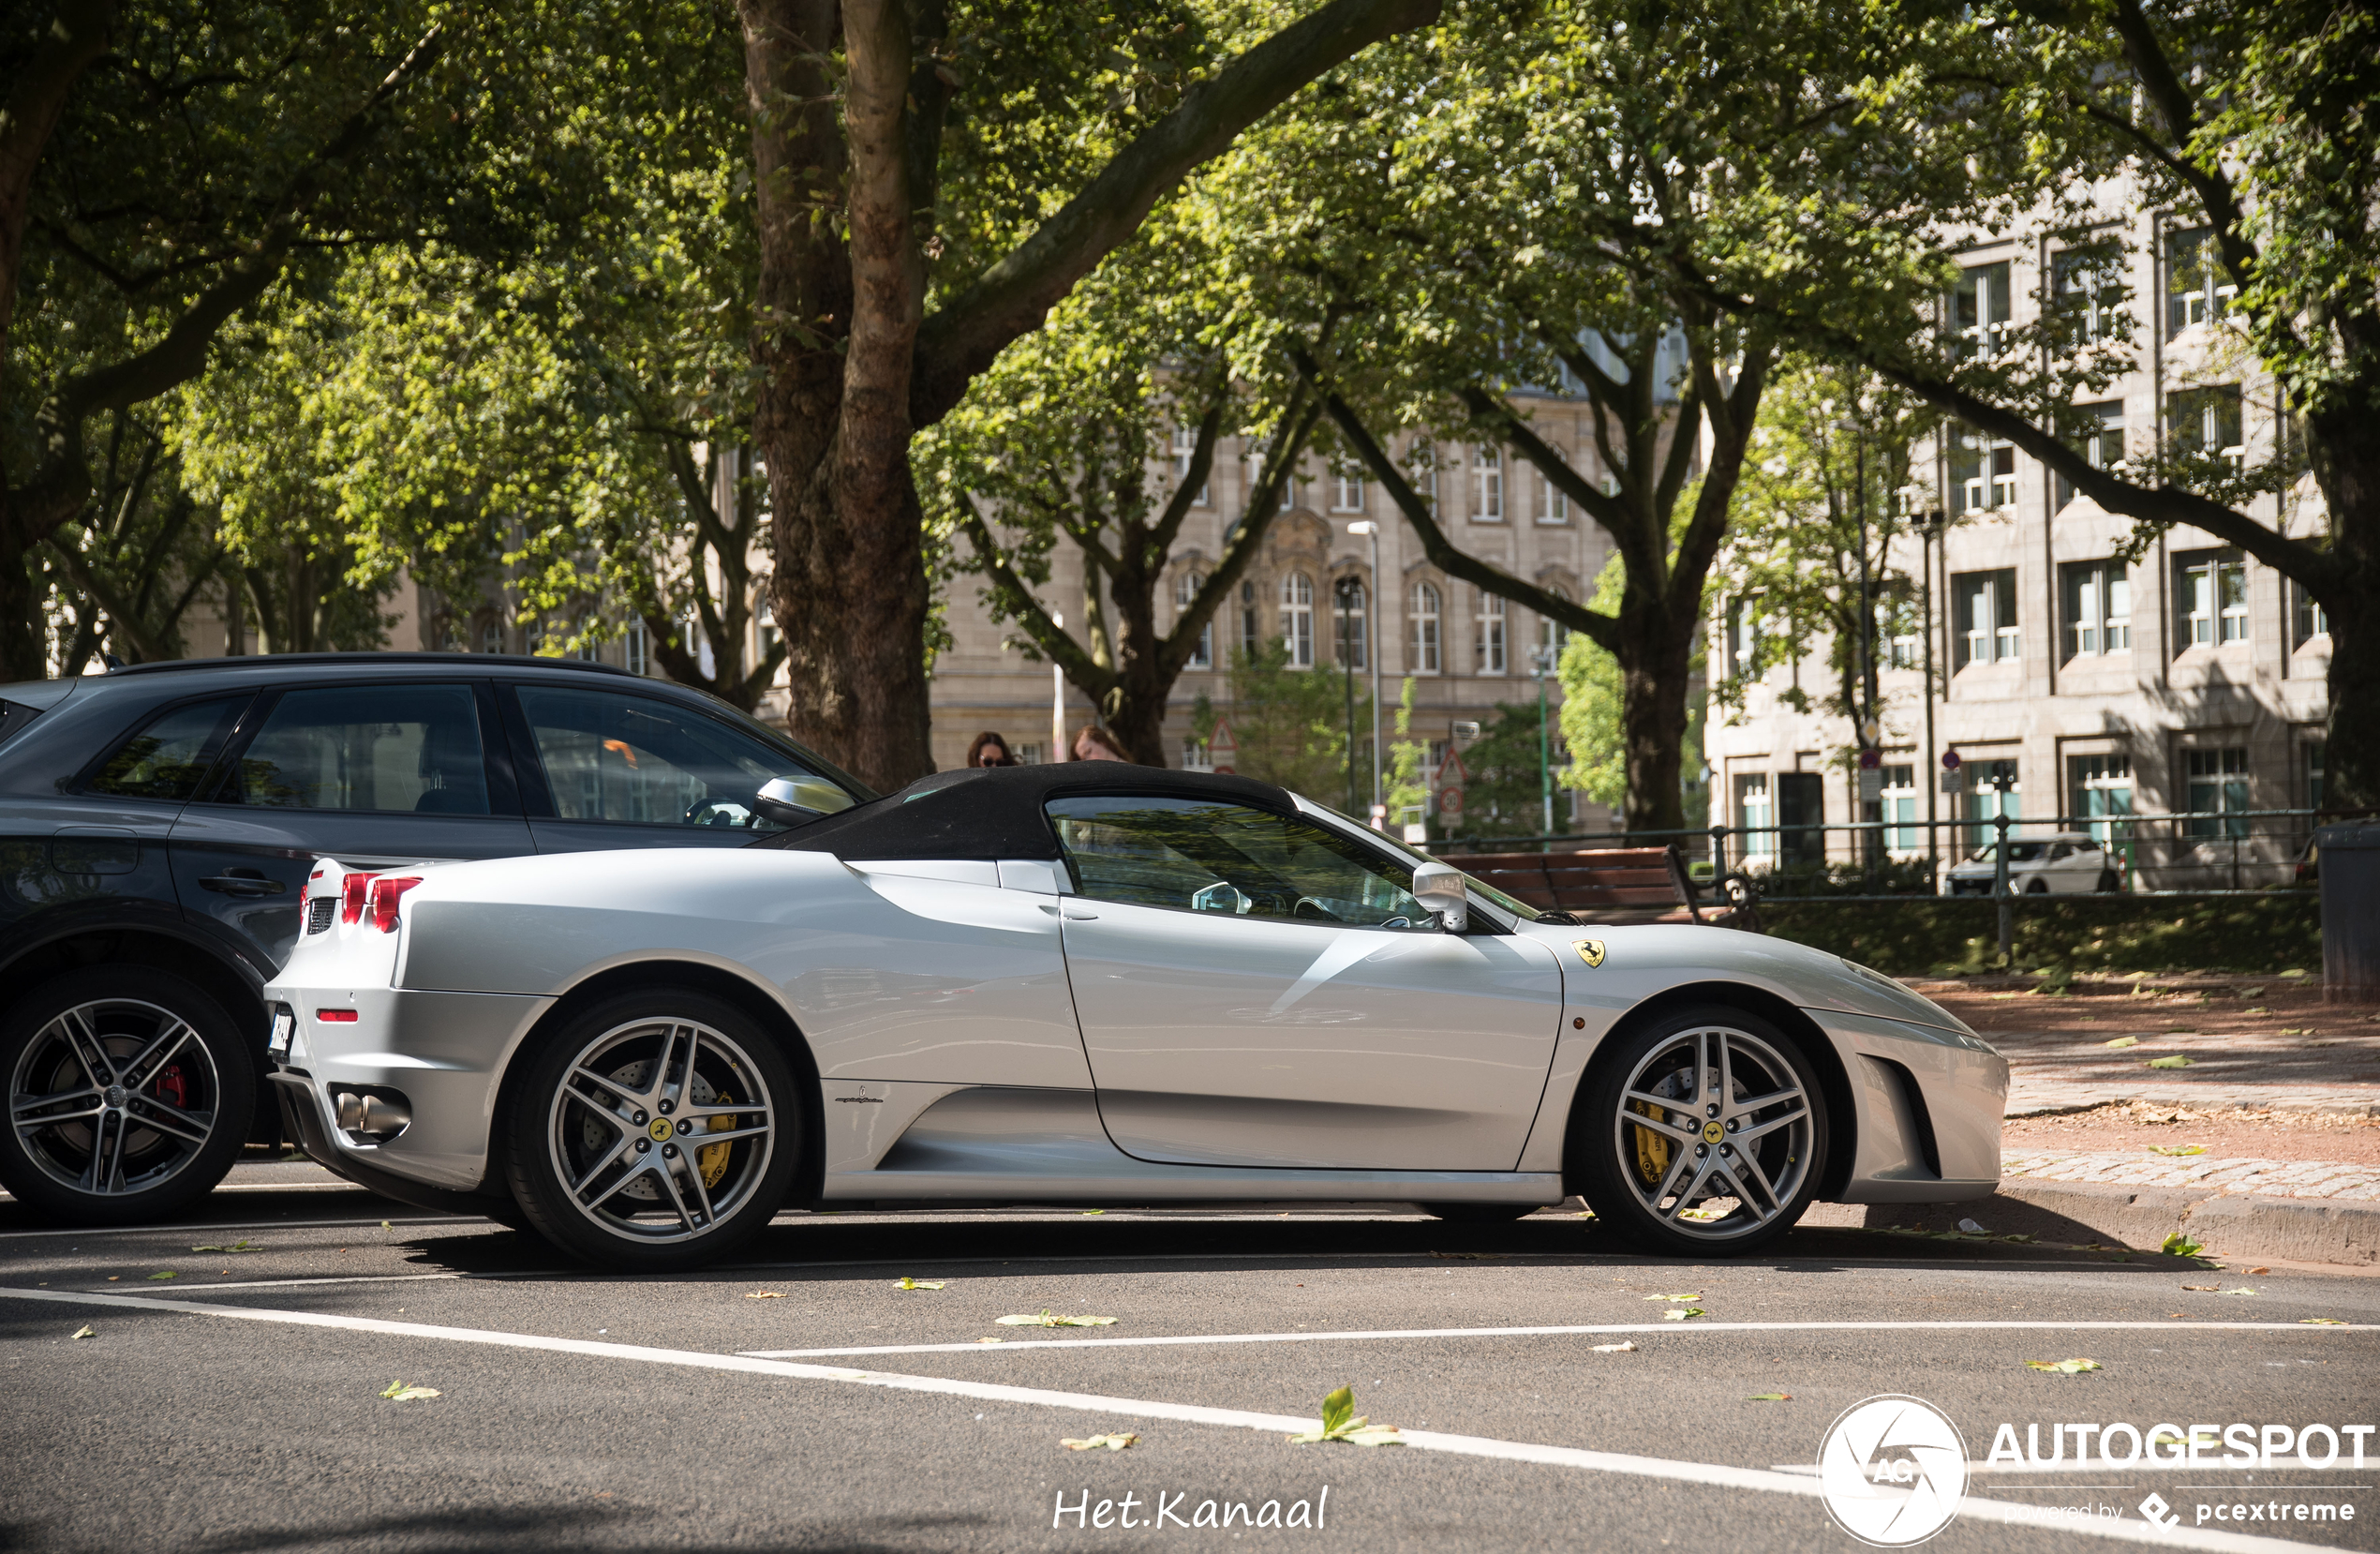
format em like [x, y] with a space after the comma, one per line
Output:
[508, 1530]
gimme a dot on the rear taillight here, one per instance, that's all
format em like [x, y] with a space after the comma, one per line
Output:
[386, 893]
[354, 891]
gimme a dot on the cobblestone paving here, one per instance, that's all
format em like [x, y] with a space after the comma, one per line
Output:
[2216, 1178]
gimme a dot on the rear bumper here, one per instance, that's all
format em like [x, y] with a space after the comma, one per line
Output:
[303, 1117]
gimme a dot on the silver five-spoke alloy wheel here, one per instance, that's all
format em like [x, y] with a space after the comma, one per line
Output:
[113, 1096]
[1713, 1133]
[660, 1128]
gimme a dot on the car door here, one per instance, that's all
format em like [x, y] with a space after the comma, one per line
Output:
[614, 768]
[374, 773]
[1257, 991]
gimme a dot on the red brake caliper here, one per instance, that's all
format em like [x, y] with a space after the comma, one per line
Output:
[172, 1086]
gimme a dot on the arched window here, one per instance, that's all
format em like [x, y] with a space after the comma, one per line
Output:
[1488, 642]
[1487, 484]
[1422, 649]
[1551, 635]
[1297, 619]
[1186, 584]
[1348, 626]
[1552, 503]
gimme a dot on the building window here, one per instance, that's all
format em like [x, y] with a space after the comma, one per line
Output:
[1487, 484]
[766, 614]
[1346, 494]
[2317, 789]
[1983, 472]
[2211, 588]
[2218, 792]
[1421, 465]
[1193, 756]
[1297, 619]
[2311, 620]
[637, 646]
[2090, 286]
[1899, 811]
[1984, 605]
[1186, 584]
[2197, 290]
[1421, 650]
[1488, 640]
[1260, 462]
[1251, 632]
[491, 636]
[1347, 623]
[2099, 792]
[1755, 815]
[1744, 623]
[1553, 503]
[2098, 596]
[1979, 308]
[2206, 423]
[1902, 627]
[1185, 448]
[1992, 791]
[1551, 635]
[2097, 432]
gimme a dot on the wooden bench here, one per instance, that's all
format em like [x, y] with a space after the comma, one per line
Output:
[1615, 885]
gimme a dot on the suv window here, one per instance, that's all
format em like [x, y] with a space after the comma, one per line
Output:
[411, 748]
[1202, 855]
[167, 758]
[638, 760]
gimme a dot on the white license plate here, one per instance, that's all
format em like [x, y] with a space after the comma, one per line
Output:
[283, 1025]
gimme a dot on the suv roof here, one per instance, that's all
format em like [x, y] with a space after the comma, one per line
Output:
[168, 666]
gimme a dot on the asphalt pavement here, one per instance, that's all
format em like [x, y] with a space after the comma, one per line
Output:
[799, 1398]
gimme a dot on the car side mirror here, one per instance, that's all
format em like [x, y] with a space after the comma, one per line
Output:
[799, 800]
[1440, 886]
[1221, 896]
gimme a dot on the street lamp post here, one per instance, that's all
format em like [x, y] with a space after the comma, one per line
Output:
[1348, 590]
[1930, 529]
[1542, 669]
[1365, 527]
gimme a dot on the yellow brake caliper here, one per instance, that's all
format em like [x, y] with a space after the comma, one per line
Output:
[712, 1161]
[1652, 1149]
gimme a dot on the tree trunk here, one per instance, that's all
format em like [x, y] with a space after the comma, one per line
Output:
[2351, 757]
[22, 652]
[1655, 658]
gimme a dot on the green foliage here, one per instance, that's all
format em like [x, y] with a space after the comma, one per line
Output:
[1505, 795]
[1291, 724]
[2060, 936]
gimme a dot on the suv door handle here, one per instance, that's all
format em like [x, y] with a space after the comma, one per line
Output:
[244, 882]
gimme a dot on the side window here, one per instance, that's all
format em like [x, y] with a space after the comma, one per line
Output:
[167, 757]
[1197, 856]
[638, 760]
[411, 748]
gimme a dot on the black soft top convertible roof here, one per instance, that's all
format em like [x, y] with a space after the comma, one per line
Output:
[988, 812]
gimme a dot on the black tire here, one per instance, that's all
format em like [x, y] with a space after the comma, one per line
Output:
[646, 1206]
[1627, 1156]
[138, 1151]
[1479, 1214]
[2037, 888]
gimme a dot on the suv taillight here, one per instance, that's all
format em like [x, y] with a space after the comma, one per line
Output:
[386, 893]
[355, 890]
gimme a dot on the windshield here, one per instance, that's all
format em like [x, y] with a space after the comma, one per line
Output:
[2018, 852]
[1520, 909]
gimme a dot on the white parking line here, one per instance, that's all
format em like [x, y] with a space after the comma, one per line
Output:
[1665, 1328]
[1718, 1475]
[195, 1227]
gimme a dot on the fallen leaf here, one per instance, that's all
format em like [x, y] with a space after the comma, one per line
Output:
[991, 1340]
[2177, 1316]
[1770, 1397]
[240, 1246]
[386, 1226]
[1680, 1313]
[2065, 1368]
[2295, 1030]
[167, 1274]
[905, 1282]
[2255, 1008]
[2256, 992]
[2259, 1270]
[1113, 1442]
[2292, 973]
[85, 1332]
[1463, 1257]
[2175, 1061]
[2179, 1245]
[2124, 1042]
[1046, 1318]
[1094, 1211]
[2020, 1240]
[399, 1393]
[2307, 1321]
[1340, 1421]
[765, 1294]
[2244, 1290]
[1694, 1295]
[1614, 1349]
[2209, 1288]
[2177, 1149]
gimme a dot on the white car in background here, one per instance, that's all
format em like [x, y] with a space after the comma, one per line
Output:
[2067, 863]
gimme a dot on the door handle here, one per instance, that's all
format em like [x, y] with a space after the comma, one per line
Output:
[1078, 914]
[244, 885]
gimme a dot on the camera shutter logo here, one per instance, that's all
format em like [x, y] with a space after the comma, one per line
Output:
[1892, 1470]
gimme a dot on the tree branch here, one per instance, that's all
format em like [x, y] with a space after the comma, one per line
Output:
[1048, 638]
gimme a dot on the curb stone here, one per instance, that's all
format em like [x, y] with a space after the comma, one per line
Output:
[2231, 1227]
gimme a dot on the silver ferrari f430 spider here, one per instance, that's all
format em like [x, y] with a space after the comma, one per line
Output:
[1089, 984]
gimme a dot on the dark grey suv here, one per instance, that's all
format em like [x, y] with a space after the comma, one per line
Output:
[157, 825]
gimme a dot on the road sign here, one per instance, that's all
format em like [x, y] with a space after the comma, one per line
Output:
[1871, 785]
[1451, 803]
[1950, 760]
[1870, 758]
[1954, 782]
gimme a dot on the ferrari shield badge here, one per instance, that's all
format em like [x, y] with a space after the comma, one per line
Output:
[1590, 951]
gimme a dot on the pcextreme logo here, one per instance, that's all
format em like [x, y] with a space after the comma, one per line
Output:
[1892, 1470]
